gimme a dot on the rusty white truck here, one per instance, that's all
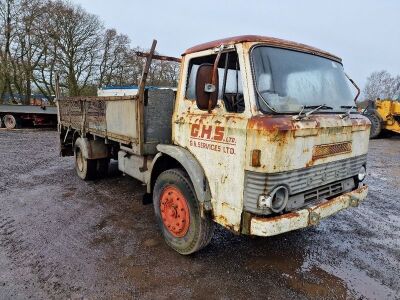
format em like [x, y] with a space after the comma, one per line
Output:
[261, 136]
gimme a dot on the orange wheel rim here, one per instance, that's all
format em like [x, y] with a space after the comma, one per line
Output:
[174, 211]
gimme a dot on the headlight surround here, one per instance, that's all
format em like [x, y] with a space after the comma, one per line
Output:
[276, 201]
[362, 173]
[280, 197]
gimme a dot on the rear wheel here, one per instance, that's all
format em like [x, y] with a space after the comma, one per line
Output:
[11, 122]
[85, 168]
[178, 213]
[376, 124]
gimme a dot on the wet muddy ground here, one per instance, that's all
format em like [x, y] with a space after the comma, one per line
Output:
[61, 237]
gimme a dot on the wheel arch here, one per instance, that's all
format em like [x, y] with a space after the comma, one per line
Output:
[170, 157]
[91, 149]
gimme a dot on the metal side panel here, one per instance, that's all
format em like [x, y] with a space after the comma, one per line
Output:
[121, 119]
[132, 165]
[158, 119]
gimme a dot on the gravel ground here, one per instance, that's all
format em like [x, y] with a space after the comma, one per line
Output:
[62, 238]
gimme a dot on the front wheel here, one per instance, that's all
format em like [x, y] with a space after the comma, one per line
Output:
[178, 213]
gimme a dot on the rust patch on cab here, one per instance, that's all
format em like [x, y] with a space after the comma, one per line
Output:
[220, 219]
[278, 218]
[271, 123]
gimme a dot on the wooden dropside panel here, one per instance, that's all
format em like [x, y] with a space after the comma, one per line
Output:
[96, 116]
[110, 117]
[71, 113]
[116, 118]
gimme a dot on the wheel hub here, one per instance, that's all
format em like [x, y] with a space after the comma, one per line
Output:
[174, 211]
[9, 122]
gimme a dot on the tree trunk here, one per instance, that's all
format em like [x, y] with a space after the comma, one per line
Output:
[28, 90]
[72, 83]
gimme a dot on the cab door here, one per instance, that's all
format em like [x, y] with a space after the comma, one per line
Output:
[217, 138]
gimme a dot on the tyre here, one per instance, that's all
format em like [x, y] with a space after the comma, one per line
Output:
[178, 213]
[102, 167]
[11, 122]
[85, 168]
[376, 124]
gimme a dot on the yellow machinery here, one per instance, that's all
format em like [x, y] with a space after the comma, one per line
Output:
[384, 115]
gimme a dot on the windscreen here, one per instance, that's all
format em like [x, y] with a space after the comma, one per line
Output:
[288, 81]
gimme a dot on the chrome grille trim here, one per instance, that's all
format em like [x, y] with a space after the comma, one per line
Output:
[298, 181]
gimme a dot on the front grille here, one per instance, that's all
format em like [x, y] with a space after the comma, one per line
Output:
[323, 192]
[299, 181]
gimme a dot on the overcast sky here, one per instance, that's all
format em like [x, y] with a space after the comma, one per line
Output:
[366, 34]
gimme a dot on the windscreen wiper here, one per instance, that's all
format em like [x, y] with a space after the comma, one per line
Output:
[347, 114]
[314, 109]
[317, 107]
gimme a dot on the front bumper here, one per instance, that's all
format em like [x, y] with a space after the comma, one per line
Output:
[307, 216]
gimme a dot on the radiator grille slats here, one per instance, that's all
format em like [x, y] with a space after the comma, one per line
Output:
[323, 192]
[301, 180]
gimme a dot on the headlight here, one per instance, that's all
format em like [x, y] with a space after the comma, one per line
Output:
[276, 201]
[362, 173]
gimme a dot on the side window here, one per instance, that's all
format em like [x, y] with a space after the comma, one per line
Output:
[230, 80]
[191, 82]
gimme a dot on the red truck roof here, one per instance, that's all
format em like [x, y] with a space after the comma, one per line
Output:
[264, 39]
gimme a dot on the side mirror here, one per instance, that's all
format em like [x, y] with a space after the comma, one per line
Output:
[207, 87]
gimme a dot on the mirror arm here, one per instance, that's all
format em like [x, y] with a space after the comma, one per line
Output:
[214, 76]
[356, 86]
[225, 74]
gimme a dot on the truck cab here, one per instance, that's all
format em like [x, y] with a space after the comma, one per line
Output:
[264, 140]
[265, 149]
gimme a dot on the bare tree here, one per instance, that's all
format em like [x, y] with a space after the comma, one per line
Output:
[382, 85]
[39, 38]
[8, 12]
[164, 73]
[114, 52]
[28, 48]
[76, 36]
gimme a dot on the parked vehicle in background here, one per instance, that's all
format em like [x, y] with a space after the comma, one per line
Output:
[384, 115]
[261, 137]
[38, 113]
